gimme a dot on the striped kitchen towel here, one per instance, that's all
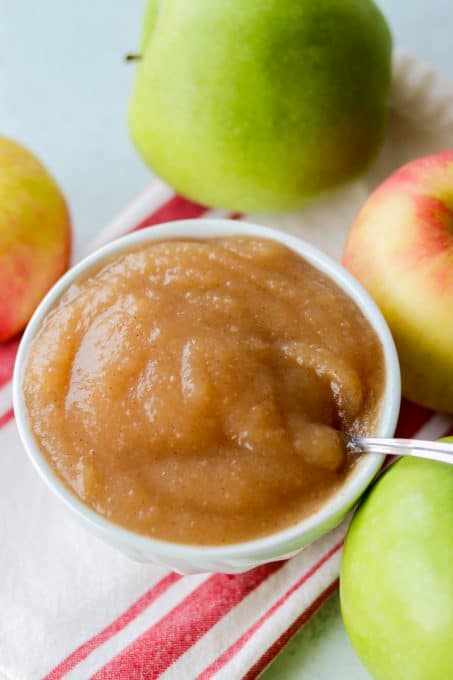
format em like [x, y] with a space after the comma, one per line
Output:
[72, 607]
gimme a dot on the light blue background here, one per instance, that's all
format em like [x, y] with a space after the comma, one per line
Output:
[63, 93]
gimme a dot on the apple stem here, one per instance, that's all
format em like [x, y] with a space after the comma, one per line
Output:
[132, 57]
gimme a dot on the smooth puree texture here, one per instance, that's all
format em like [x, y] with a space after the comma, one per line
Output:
[195, 391]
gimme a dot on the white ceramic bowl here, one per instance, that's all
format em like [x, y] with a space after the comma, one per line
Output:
[240, 556]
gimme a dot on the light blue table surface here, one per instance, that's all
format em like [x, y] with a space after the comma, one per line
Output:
[63, 93]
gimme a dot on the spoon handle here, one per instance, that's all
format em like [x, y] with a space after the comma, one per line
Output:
[438, 451]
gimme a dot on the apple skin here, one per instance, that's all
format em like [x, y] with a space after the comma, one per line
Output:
[400, 248]
[35, 235]
[258, 105]
[396, 584]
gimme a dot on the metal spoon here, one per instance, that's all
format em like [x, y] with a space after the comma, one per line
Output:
[439, 451]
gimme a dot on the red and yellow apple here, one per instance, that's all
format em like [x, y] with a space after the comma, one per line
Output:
[35, 235]
[400, 248]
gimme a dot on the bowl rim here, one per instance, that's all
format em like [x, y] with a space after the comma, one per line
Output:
[337, 504]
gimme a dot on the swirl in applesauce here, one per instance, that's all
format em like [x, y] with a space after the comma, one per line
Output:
[195, 391]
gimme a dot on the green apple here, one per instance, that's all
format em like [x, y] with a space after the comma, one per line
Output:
[396, 584]
[35, 235]
[257, 105]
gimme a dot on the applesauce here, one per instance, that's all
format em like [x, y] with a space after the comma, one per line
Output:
[197, 390]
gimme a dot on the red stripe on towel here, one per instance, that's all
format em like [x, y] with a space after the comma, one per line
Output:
[160, 646]
[176, 208]
[241, 641]
[118, 624]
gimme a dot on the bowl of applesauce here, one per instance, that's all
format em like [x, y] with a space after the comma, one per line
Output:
[184, 391]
